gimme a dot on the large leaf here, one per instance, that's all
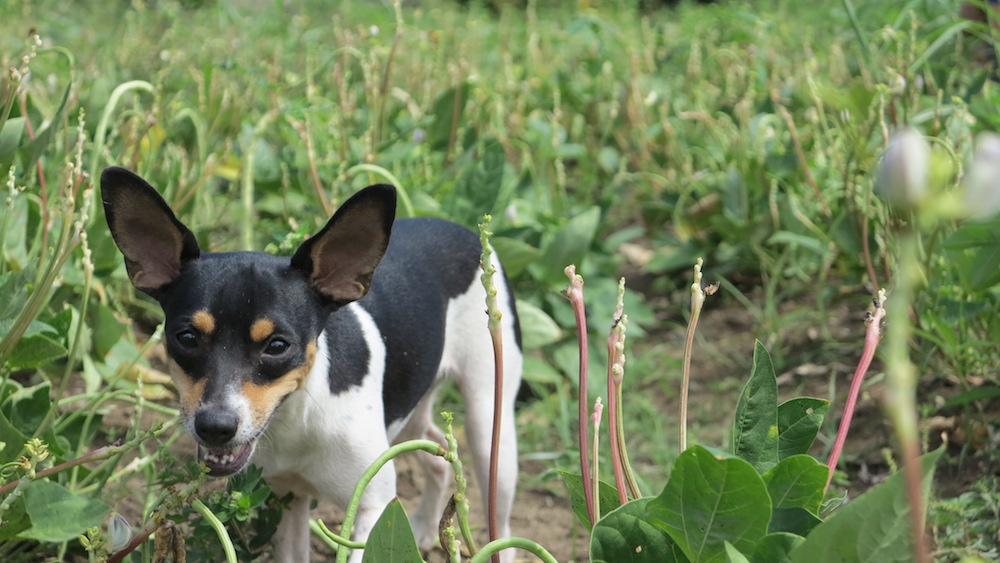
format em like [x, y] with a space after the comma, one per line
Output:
[515, 255]
[570, 245]
[537, 327]
[875, 527]
[799, 420]
[391, 539]
[625, 536]
[774, 548]
[755, 425]
[28, 407]
[797, 482]
[975, 250]
[447, 113]
[709, 501]
[57, 515]
[607, 501]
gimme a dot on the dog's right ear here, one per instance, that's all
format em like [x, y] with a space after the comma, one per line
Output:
[155, 244]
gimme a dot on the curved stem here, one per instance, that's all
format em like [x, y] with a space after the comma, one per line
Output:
[494, 547]
[220, 529]
[373, 469]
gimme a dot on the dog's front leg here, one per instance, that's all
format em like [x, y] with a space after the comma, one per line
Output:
[291, 540]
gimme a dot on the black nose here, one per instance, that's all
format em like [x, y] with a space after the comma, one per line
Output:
[215, 428]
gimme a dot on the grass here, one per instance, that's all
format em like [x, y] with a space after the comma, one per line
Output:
[626, 142]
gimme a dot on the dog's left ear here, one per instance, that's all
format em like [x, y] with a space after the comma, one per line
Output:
[339, 260]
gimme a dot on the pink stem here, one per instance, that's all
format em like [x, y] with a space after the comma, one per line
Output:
[575, 295]
[873, 335]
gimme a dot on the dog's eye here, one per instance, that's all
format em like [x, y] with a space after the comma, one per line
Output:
[276, 347]
[187, 339]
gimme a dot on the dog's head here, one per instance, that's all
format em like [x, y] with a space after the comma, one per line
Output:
[241, 328]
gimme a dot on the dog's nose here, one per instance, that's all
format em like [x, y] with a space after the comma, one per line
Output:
[216, 428]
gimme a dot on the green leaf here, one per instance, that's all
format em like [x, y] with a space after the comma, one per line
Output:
[515, 255]
[10, 138]
[570, 245]
[799, 420]
[755, 426]
[974, 249]
[28, 407]
[391, 539]
[733, 555]
[537, 327]
[710, 501]
[625, 536]
[795, 520]
[774, 548]
[875, 527]
[448, 109]
[15, 521]
[35, 351]
[797, 481]
[607, 502]
[57, 515]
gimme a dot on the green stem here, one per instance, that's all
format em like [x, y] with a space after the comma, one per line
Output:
[484, 554]
[901, 379]
[374, 169]
[220, 529]
[373, 469]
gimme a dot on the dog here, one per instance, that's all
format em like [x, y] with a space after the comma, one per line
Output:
[311, 366]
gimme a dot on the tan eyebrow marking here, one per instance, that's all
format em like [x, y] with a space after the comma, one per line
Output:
[261, 329]
[203, 321]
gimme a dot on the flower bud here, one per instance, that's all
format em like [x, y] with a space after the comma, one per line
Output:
[982, 181]
[904, 169]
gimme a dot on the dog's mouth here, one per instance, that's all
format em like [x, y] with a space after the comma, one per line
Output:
[222, 462]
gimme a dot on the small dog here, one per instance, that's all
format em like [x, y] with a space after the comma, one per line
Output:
[312, 366]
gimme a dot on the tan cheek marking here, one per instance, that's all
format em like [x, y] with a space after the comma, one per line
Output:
[203, 321]
[265, 398]
[261, 329]
[190, 391]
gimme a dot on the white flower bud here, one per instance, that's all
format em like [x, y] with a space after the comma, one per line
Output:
[982, 181]
[904, 169]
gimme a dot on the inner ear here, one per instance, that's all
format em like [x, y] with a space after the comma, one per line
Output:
[155, 244]
[340, 260]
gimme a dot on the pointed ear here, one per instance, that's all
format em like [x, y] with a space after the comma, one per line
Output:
[155, 244]
[339, 260]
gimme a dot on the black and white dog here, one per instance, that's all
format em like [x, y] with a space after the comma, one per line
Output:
[312, 366]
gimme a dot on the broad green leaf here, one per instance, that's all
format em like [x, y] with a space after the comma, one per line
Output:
[32, 150]
[814, 245]
[733, 555]
[35, 351]
[57, 515]
[974, 249]
[795, 520]
[391, 539]
[755, 425]
[15, 521]
[537, 327]
[797, 481]
[625, 536]
[10, 138]
[774, 548]
[875, 527]
[477, 191]
[28, 407]
[447, 114]
[570, 245]
[515, 255]
[710, 501]
[607, 501]
[799, 420]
